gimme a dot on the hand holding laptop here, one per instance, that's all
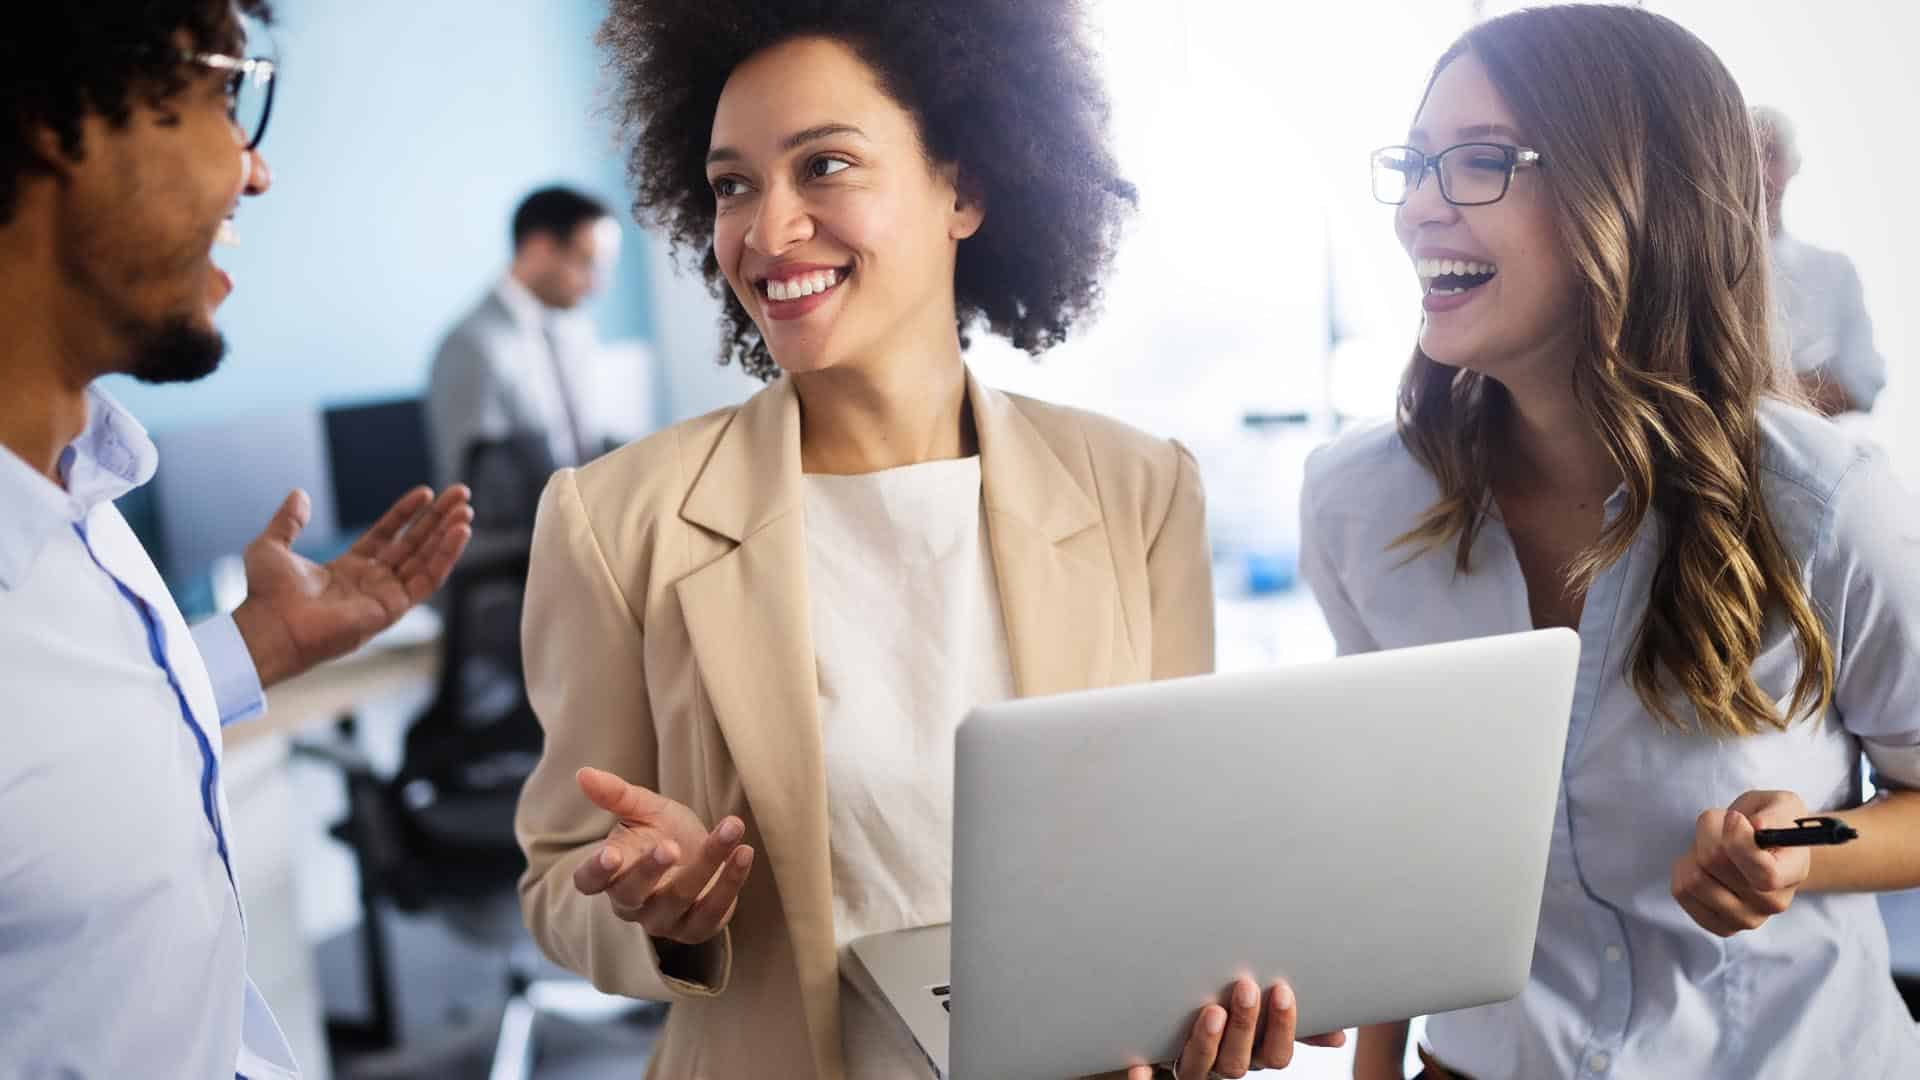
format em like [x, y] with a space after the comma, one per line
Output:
[1226, 1040]
[660, 867]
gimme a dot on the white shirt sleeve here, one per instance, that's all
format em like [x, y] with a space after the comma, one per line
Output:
[1857, 366]
[236, 682]
[1869, 557]
[1322, 574]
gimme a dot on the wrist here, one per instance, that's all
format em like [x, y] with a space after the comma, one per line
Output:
[267, 640]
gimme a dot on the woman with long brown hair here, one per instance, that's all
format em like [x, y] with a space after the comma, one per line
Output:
[1593, 433]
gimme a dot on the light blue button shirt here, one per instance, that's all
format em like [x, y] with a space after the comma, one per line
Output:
[1623, 983]
[122, 943]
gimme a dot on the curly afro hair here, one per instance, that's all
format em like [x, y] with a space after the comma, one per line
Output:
[1006, 91]
[60, 62]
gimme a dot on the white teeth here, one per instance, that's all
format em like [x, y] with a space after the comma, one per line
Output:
[226, 237]
[805, 285]
[1433, 268]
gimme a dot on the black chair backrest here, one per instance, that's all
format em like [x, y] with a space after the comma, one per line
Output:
[506, 477]
[480, 735]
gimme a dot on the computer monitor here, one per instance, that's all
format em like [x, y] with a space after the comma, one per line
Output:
[376, 452]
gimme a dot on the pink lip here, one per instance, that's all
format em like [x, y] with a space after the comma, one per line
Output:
[219, 286]
[1452, 302]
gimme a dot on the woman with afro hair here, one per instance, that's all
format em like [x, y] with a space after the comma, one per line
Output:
[750, 637]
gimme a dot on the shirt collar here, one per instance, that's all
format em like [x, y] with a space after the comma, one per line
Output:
[111, 457]
[529, 312]
[526, 308]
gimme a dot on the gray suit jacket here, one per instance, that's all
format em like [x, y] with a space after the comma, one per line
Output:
[493, 379]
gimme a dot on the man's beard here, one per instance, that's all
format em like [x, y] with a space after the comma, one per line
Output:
[175, 352]
[169, 348]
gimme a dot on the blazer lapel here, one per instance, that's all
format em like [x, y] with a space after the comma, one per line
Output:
[747, 616]
[1056, 583]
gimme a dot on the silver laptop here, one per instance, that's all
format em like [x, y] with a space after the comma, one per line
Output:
[1373, 828]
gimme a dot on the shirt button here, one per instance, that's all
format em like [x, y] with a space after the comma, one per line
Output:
[1614, 954]
[1599, 1063]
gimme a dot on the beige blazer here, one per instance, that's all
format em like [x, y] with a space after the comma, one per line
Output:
[667, 640]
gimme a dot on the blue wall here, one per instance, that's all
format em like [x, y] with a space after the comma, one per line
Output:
[402, 137]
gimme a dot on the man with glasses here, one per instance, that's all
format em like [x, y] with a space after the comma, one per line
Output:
[130, 134]
[524, 362]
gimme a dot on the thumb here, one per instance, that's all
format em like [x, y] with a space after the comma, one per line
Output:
[292, 517]
[1737, 832]
[628, 802]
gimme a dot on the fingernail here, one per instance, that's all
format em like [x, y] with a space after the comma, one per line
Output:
[1244, 995]
[742, 856]
[1283, 996]
[609, 858]
[731, 831]
[662, 857]
[1216, 1021]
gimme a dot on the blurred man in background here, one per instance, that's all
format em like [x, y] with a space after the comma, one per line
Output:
[1818, 292]
[130, 134]
[522, 365]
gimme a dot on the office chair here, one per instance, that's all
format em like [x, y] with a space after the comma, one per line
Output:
[438, 834]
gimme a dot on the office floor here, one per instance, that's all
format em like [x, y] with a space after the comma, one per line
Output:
[450, 997]
[448, 991]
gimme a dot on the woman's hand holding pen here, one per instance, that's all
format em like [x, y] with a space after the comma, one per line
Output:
[1728, 882]
[660, 867]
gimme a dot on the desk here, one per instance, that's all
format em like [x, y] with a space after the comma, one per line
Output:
[404, 657]
[404, 660]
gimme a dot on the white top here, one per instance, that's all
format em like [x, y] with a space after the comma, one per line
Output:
[1624, 984]
[1826, 324]
[122, 944]
[907, 636]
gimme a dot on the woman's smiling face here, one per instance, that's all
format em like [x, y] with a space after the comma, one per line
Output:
[1504, 322]
[835, 232]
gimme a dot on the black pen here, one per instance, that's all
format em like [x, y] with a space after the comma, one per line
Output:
[1808, 831]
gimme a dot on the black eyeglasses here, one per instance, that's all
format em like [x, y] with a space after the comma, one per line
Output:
[249, 91]
[1471, 174]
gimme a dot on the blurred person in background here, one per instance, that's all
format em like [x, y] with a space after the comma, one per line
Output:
[130, 134]
[1593, 433]
[1828, 335]
[522, 364]
[750, 637]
